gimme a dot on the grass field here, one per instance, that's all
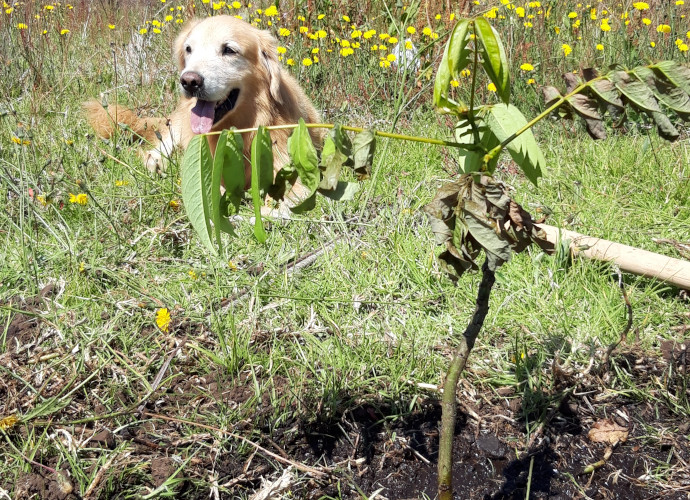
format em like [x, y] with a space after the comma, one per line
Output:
[325, 346]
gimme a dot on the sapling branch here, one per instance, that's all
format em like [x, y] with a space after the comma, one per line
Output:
[492, 154]
[389, 135]
[457, 365]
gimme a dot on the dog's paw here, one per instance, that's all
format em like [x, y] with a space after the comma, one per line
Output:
[153, 161]
[281, 212]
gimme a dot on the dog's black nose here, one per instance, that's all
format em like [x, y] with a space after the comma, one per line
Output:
[191, 81]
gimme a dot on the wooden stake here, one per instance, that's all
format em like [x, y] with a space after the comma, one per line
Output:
[630, 259]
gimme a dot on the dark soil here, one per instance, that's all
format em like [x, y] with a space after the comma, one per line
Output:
[368, 445]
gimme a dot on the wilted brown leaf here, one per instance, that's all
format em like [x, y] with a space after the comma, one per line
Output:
[607, 431]
[476, 213]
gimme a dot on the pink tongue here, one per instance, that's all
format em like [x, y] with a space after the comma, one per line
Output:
[202, 116]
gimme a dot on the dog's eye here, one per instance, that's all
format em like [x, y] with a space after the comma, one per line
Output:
[188, 49]
[228, 51]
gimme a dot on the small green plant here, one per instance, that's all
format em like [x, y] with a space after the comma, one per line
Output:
[471, 215]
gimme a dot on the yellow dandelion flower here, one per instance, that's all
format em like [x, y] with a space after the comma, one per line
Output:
[236, 5]
[111, 26]
[640, 6]
[272, 11]
[290, 62]
[427, 31]
[368, 34]
[390, 57]
[600, 46]
[303, 29]
[572, 15]
[284, 32]
[281, 50]
[21, 26]
[320, 16]
[683, 47]
[411, 30]
[491, 87]
[8, 422]
[79, 199]
[346, 19]
[663, 28]
[646, 21]
[454, 83]
[527, 67]
[392, 40]
[163, 319]
[192, 274]
[306, 62]
[566, 49]
[143, 31]
[531, 81]
[321, 34]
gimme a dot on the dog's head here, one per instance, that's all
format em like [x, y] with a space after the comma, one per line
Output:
[224, 61]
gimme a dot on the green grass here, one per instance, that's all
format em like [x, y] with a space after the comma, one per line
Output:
[372, 316]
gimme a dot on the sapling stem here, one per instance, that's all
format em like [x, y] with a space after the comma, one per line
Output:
[457, 365]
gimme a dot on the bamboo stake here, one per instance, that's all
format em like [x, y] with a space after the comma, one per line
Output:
[630, 259]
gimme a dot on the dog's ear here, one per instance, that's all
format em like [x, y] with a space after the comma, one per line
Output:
[269, 55]
[178, 46]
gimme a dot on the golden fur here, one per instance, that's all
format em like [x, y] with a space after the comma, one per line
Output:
[224, 54]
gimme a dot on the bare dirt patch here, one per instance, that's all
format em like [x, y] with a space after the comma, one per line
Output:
[369, 444]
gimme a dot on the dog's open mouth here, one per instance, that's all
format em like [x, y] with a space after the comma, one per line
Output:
[207, 113]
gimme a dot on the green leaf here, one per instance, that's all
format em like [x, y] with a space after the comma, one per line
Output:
[443, 78]
[458, 48]
[343, 191]
[234, 170]
[473, 160]
[605, 90]
[341, 141]
[262, 160]
[216, 176]
[641, 97]
[676, 73]
[332, 161]
[504, 120]
[305, 206]
[666, 93]
[634, 91]
[494, 58]
[304, 157]
[197, 167]
[363, 148]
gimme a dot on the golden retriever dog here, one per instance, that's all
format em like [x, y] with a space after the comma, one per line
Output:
[230, 76]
